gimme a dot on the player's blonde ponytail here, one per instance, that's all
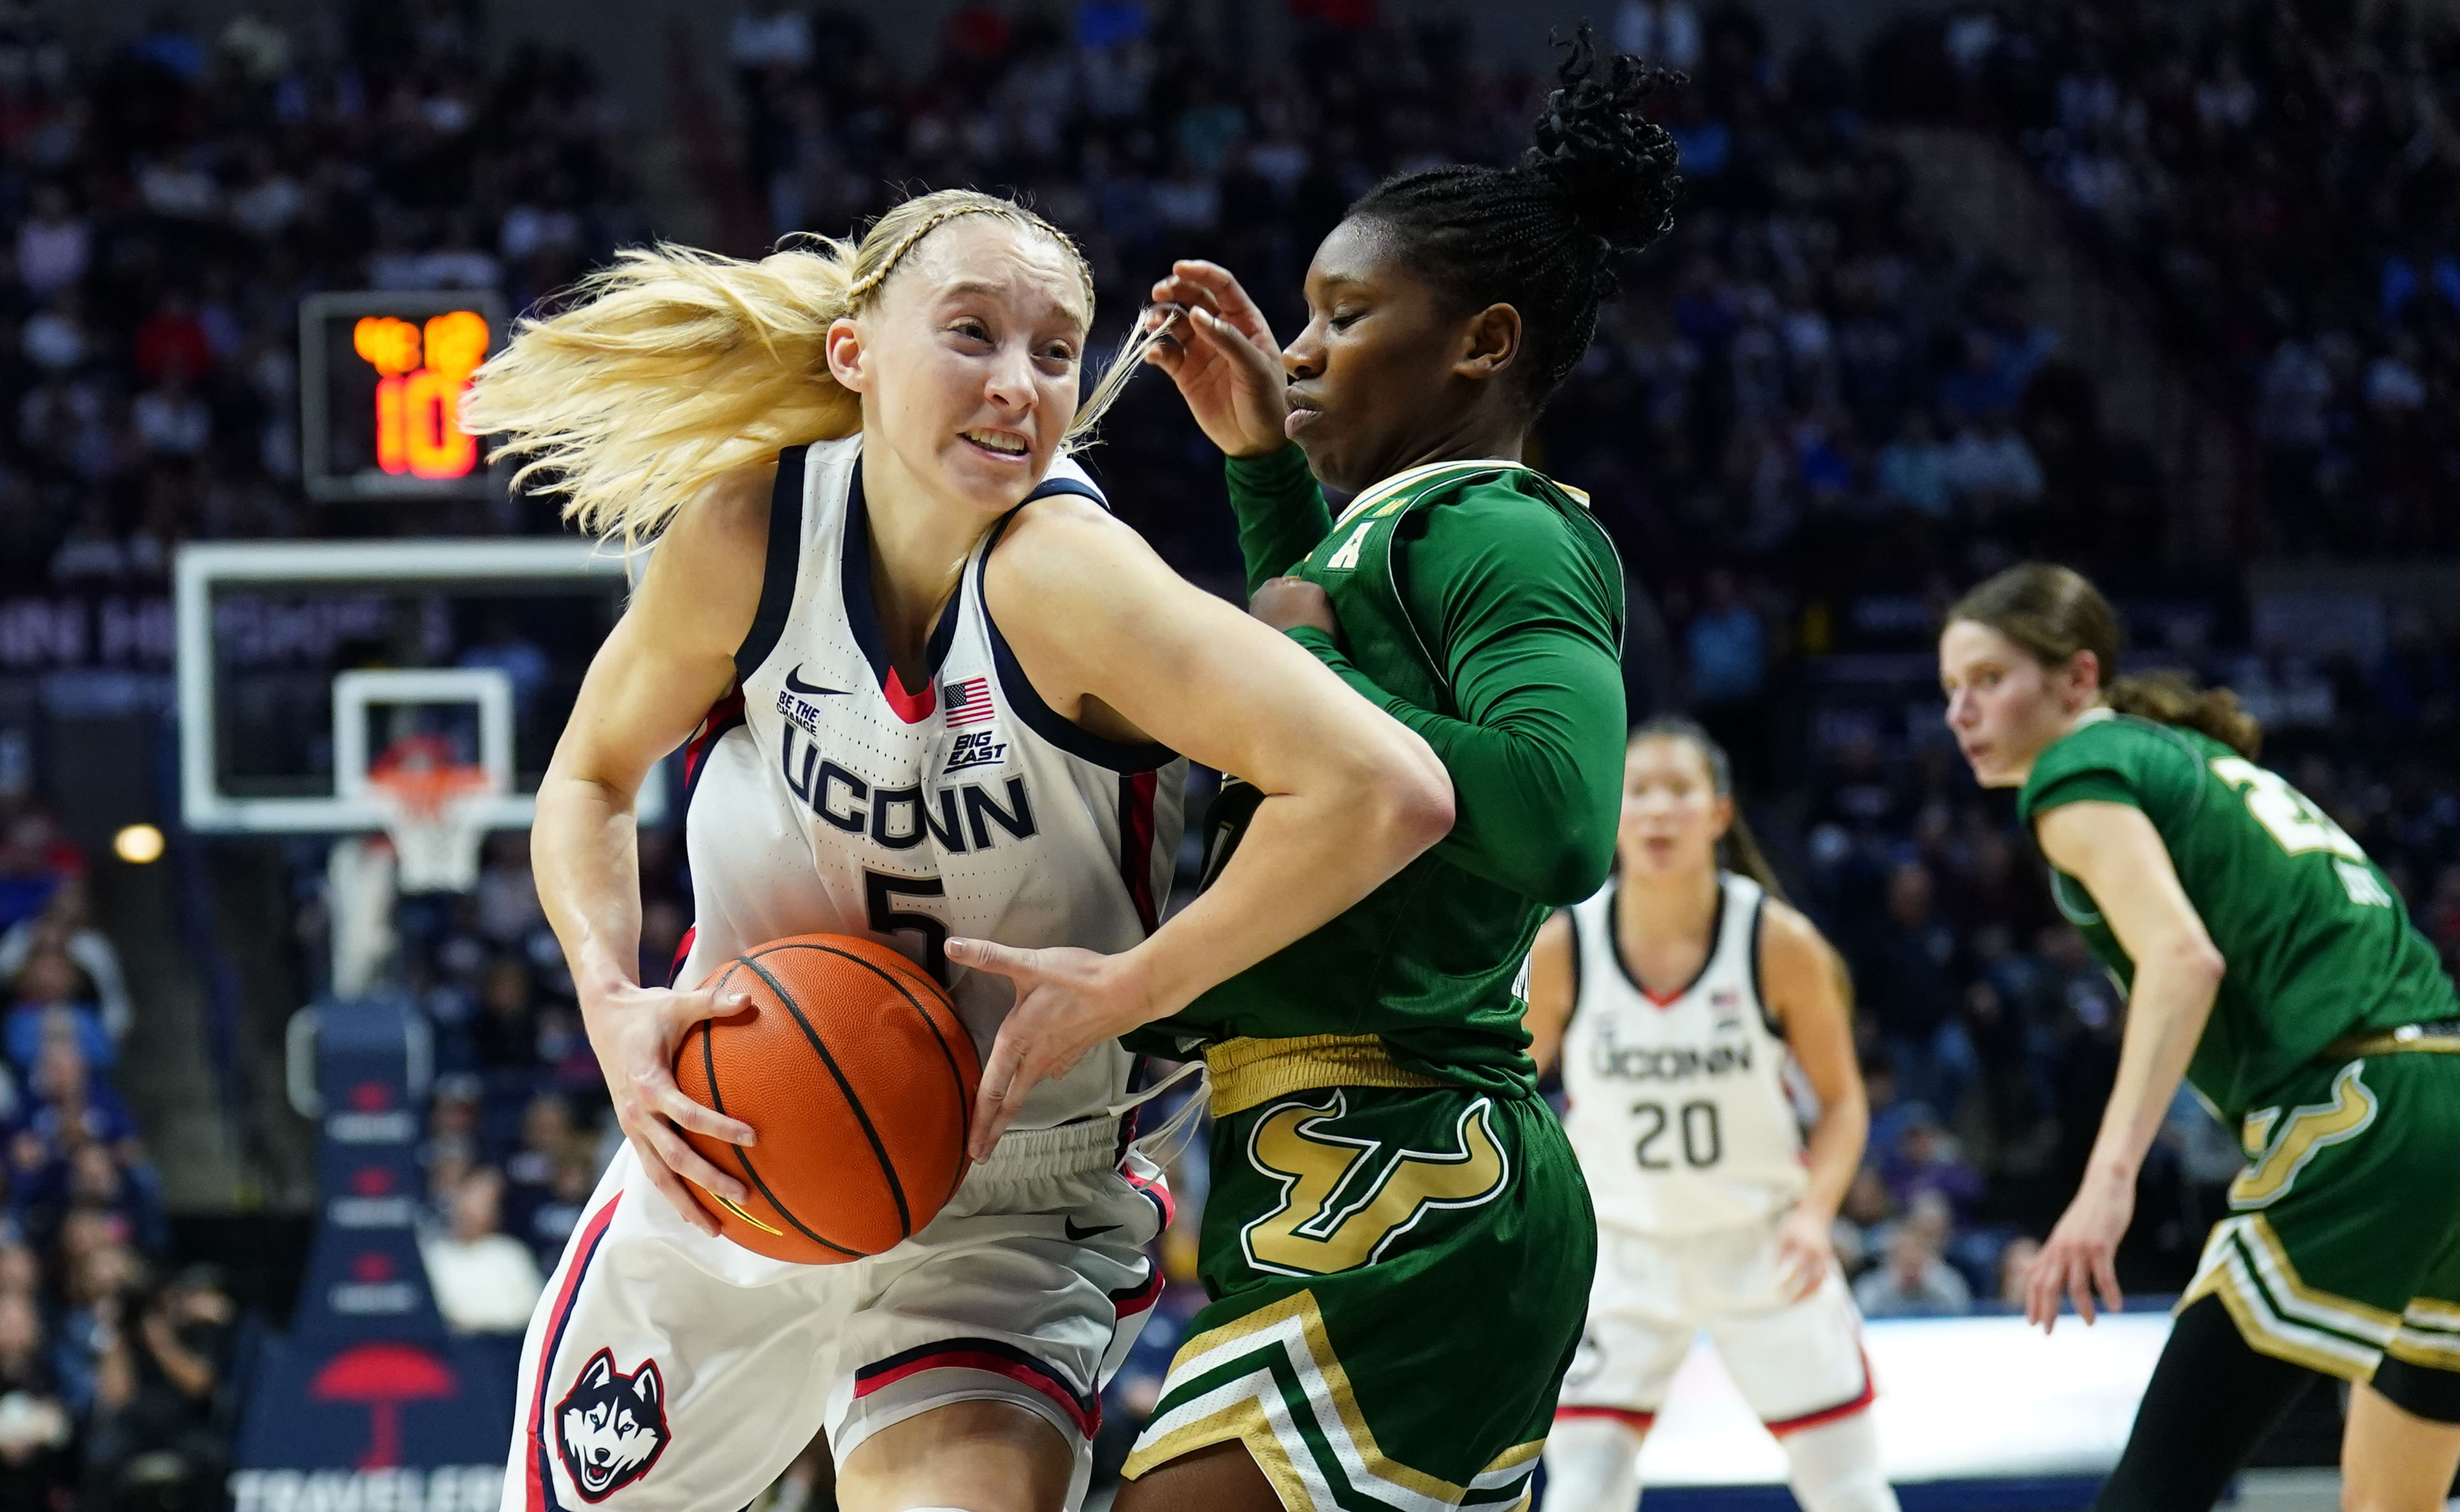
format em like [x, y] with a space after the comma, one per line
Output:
[673, 366]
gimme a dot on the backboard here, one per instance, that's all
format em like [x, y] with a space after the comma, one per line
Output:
[302, 662]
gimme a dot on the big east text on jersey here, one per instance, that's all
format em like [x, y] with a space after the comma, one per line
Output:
[957, 818]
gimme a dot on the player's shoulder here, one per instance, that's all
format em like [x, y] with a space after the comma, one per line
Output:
[2110, 741]
[1789, 937]
[1520, 520]
[712, 556]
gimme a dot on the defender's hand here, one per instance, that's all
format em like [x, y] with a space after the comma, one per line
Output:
[1805, 1254]
[635, 1032]
[1068, 1000]
[2078, 1260]
[1223, 358]
[1286, 603]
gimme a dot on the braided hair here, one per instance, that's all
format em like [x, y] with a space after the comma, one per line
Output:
[1599, 180]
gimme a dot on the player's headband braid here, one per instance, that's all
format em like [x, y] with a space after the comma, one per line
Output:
[1598, 179]
[886, 245]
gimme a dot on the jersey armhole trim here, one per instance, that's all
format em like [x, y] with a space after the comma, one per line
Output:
[781, 566]
[1040, 716]
[1571, 919]
[1759, 990]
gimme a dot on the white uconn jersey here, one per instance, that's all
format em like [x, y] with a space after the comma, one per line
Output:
[826, 796]
[1679, 1110]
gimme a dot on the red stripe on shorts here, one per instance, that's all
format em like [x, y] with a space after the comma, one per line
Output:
[1628, 1417]
[583, 1252]
[1825, 1415]
[1085, 1413]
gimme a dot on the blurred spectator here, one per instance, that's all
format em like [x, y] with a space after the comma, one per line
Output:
[53, 1000]
[1914, 1281]
[155, 1422]
[1924, 1161]
[35, 1425]
[507, 1028]
[66, 923]
[484, 1280]
[1906, 974]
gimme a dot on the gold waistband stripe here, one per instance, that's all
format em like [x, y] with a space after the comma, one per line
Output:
[2430, 1038]
[1247, 1072]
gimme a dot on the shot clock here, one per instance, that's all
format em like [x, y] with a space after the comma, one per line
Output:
[380, 382]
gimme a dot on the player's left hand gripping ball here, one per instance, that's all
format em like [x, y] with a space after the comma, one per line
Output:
[1068, 1000]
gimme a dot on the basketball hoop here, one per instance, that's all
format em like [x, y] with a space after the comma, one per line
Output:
[435, 810]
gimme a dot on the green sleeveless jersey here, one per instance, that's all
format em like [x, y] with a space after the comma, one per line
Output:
[2317, 944]
[1510, 667]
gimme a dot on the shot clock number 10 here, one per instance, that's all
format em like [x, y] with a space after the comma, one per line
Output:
[381, 378]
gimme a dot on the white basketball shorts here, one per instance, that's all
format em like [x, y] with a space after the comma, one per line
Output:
[665, 1371]
[1798, 1364]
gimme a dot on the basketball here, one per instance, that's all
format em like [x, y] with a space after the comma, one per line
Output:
[852, 1065]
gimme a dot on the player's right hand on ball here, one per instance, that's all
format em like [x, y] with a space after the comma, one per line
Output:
[635, 1032]
[1223, 358]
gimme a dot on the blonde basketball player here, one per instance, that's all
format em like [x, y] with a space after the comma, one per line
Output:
[936, 693]
[1673, 999]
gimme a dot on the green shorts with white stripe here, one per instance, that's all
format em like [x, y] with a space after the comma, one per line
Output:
[1399, 1278]
[2342, 1243]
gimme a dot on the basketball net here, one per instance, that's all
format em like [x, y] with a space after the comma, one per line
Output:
[435, 813]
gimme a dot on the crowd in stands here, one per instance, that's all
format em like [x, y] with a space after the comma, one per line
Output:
[2282, 180]
[167, 203]
[113, 1358]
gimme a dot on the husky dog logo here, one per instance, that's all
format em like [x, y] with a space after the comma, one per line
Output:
[611, 1427]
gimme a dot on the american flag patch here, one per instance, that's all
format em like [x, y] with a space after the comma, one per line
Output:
[968, 702]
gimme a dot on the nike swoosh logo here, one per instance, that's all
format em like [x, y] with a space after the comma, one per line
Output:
[795, 684]
[1077, 1236]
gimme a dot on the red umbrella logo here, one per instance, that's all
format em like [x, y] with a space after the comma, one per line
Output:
[384, 1376]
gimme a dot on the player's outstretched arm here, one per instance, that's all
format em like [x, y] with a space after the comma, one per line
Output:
[1114, 640]
[2114, 850]
[667, 661]
[1223, 356]
[1812, 996]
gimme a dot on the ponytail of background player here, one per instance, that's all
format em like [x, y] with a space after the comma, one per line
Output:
[1675, 997]
[2271, 966]
[843, 451]
[1394, 1337]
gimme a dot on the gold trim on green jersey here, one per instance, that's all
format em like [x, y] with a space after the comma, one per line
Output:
[1249, 1072]
[1251, 1409]
[2277, 1312]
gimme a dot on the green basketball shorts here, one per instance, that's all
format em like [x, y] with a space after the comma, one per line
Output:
[2342, 1243]
[1399, 1270]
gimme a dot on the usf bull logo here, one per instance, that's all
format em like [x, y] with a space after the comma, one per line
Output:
[1344, 1198]
[611, 1427]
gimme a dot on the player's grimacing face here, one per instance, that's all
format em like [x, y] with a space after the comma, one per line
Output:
[968, 361]
[1673, 814]
[2003, 707]
[1370, 373]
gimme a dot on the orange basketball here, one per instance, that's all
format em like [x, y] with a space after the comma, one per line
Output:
[853, 1068]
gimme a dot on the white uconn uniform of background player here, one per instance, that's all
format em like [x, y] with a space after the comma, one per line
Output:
[1680, 1114]
[826, 796]
[1713, 1214]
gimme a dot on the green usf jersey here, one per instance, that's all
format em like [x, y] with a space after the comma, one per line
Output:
[2317, 944]
[1482, 606]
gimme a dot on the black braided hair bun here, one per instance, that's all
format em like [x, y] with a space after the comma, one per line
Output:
[1613, 166]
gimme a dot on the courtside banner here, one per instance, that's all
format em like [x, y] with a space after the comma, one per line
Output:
[369, 1404]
